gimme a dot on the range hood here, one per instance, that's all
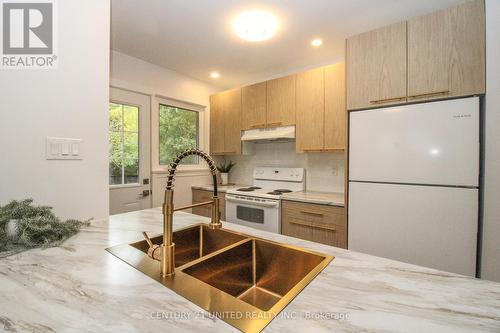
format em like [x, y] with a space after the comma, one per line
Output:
[283, 133]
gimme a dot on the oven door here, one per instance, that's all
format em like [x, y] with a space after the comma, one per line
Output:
[263, 214]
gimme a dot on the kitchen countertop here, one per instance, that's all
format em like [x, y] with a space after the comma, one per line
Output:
[323, 198]
[220, 188]
[80, 287]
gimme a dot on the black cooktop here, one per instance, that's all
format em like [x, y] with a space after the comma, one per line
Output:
[249, 189]
[279, 192]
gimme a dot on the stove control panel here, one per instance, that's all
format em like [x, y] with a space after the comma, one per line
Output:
[279, 174]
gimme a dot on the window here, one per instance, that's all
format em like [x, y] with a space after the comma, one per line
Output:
[123, 144]
[179, 130]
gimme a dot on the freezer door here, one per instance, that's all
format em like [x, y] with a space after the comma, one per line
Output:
[423, 225]
[429, 143]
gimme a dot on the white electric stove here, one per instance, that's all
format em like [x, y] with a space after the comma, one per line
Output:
[259, 205]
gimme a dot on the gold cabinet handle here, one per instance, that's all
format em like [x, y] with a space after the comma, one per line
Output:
[431, 94]
[320, 150]
[387, 100]
[274, 124]
[258, 126]
[312, 213]
[314, 226]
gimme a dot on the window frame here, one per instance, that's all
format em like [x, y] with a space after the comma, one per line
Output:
[139, 155]
[203, 138]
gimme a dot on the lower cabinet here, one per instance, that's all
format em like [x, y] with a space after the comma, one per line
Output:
[202, 196]
[318, 223]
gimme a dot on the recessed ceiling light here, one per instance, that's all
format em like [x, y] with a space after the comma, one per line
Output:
[255, 25]
[215, 75]
[316, 42]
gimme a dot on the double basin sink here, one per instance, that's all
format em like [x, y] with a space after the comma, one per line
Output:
[243, 280]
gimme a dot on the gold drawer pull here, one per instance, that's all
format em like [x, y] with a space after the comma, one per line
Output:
[322, 150]
[258, 126]
[437, 93]
[312, 213]
[274, 124]
[314, 226]
[386, 100]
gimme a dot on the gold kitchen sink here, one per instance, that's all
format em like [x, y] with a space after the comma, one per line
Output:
[243, 280]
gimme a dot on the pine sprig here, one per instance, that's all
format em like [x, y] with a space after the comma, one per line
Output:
[37, 226]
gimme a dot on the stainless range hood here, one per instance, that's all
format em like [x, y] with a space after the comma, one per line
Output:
[283, 133]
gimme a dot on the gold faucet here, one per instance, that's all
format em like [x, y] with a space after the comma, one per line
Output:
[165, 253]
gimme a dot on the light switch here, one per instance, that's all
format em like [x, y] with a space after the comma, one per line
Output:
[75, 149]
[54, 149]
[63, 149]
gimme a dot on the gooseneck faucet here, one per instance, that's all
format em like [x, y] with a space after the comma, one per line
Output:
[165, 253]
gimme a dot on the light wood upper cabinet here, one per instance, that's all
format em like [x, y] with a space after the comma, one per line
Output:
[232, 121]
[253, 106]
[216, 125]
[225, 123]
[281, 101]
[376, 67]
[335, 107]
[310, 108]
[446, 53]
[433, 56]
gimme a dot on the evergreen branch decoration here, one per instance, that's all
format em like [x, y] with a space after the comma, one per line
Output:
[24, 226]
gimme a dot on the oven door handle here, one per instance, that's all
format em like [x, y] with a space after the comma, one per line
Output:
[252, 203]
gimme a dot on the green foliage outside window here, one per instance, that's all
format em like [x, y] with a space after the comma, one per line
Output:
[178, 132]
[123, 144]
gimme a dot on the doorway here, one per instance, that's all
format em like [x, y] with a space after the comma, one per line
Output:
[129, 151]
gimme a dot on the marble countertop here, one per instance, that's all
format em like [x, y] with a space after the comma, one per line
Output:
[79, 287]
[323, 198]
[220, 188]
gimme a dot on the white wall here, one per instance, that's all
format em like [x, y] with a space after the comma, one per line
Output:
[491, 227]
[132, 73]
[135, 74]
[70, 101]
[324, 171]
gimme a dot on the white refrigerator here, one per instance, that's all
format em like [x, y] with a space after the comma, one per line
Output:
[413, 183]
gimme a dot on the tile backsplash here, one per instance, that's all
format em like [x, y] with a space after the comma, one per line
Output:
[324, 171]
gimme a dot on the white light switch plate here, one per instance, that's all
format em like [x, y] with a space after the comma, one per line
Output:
[63, 149]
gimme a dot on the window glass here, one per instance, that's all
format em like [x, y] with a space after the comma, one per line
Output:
[123, 144]
[178, 132]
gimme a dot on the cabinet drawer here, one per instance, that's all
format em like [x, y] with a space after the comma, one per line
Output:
[203, 196]
[314, 213]
[317, 223]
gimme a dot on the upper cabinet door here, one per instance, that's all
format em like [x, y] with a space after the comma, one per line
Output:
[281, 101]
[232, 121]
[310, 103]
[335, 107]
[216, 124]
[376, 63]
[446, 53]
[253, 106]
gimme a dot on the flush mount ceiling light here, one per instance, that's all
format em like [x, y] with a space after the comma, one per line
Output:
[255, 25]
[316, 42]
[215, 75]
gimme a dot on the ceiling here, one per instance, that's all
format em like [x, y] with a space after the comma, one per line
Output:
[194, 37]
